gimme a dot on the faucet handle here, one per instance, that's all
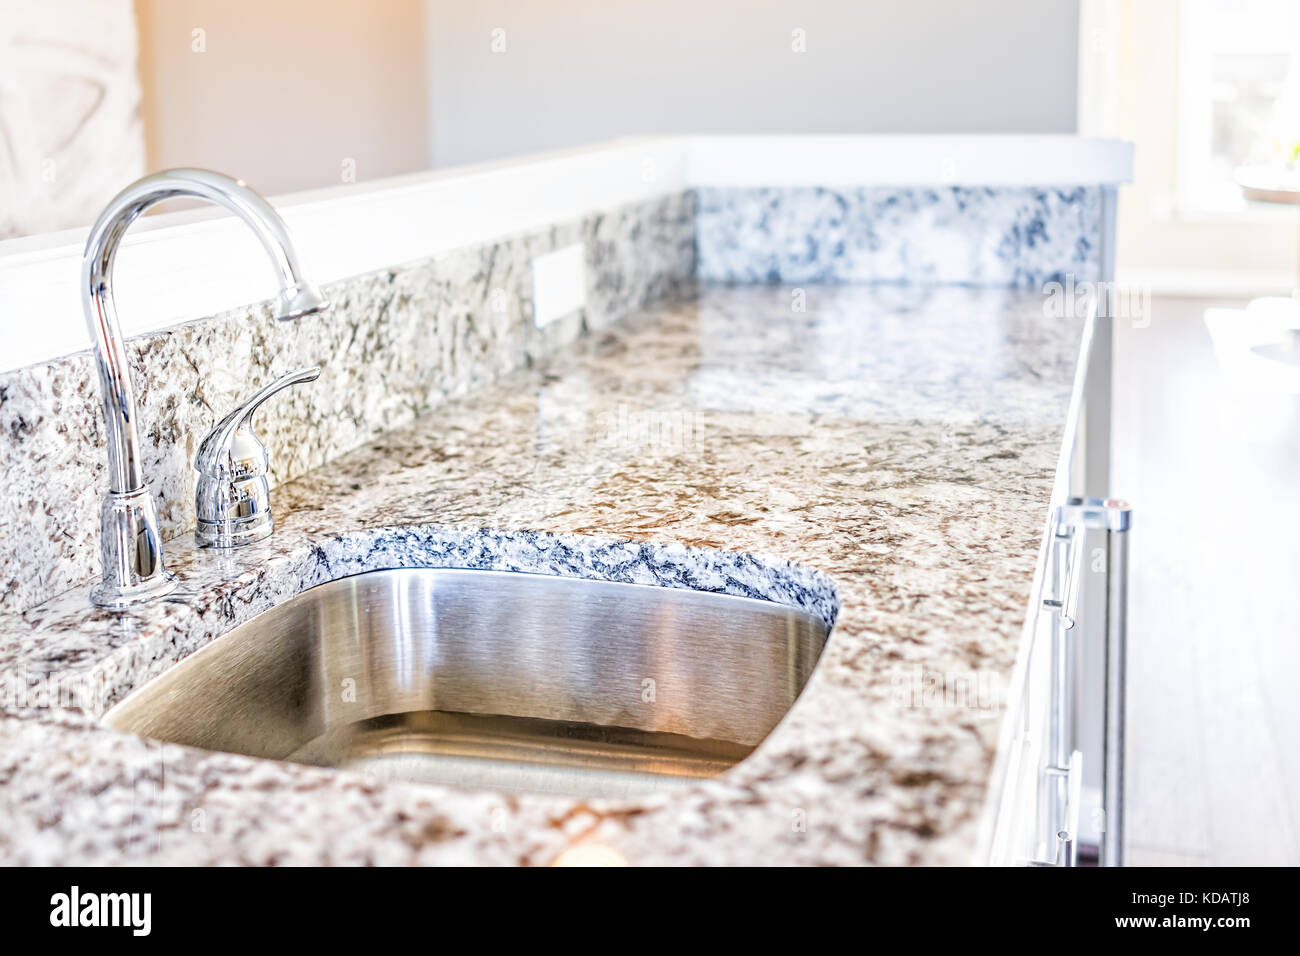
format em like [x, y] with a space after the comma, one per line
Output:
[233, 499]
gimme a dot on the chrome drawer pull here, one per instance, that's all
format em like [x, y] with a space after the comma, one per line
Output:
[1115, 518]
[1068, 604]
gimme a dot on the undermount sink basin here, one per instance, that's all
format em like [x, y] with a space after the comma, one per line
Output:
[497, 680]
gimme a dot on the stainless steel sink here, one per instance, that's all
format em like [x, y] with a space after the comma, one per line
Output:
[495, 680]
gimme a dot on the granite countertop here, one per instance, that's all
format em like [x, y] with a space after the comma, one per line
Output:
[884, 455]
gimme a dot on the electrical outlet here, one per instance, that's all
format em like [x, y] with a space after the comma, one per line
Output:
[559, 283]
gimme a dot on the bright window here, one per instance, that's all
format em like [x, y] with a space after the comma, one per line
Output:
[1239, 96]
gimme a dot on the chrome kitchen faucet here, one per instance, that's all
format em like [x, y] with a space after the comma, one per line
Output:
[130, 545]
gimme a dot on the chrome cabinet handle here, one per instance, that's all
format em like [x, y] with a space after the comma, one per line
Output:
[1066, 837]
[232, 501]
[1115, 518]
[1067, 605]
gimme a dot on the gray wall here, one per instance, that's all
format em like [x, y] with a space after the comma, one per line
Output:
[575, 71]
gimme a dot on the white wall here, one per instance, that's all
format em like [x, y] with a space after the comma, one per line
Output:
[286, 94]
[574, 71]
[299, 94]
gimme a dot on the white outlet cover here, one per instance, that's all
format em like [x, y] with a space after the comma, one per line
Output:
[559, 283]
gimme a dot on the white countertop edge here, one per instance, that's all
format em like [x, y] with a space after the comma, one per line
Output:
[176, 267]
[906, 160]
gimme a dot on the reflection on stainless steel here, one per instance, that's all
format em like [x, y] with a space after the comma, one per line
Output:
[130, 545]
[490, 679]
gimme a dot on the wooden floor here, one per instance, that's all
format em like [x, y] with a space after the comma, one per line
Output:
[1212, 469]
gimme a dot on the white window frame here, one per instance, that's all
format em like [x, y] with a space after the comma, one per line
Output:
[1193, 133]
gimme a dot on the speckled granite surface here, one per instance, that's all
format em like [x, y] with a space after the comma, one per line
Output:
[1021, 236]
[396, 344]
[896, 445]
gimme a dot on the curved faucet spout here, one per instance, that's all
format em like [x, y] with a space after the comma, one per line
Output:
[297, 297]
[131, 549]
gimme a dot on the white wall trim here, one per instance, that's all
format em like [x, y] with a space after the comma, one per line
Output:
[176, 267]
[1208, 283]
[975, 160]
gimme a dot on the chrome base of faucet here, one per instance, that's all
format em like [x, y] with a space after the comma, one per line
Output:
[131, 552]
[233, 534]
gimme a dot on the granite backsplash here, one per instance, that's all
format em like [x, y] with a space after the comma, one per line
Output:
[1021, 236]
[396, 344]
[399, 342]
